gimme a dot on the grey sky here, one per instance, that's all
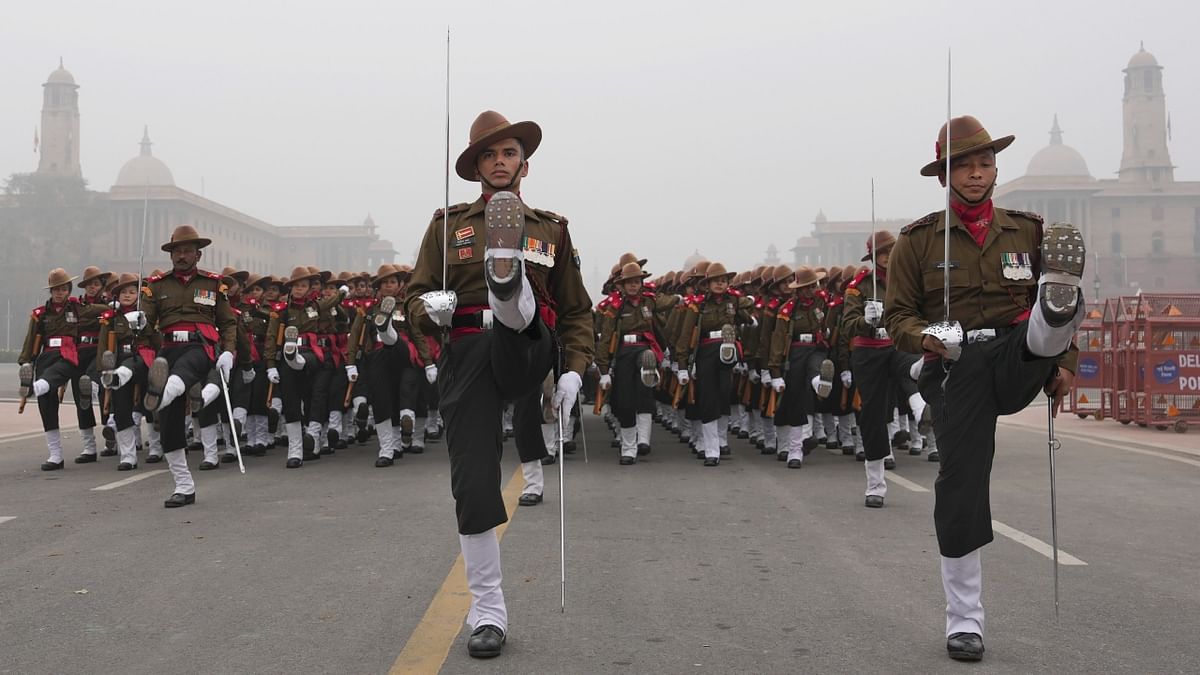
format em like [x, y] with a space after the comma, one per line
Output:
[668, 126]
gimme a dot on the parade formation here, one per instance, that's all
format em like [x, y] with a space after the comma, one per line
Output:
[914, 346]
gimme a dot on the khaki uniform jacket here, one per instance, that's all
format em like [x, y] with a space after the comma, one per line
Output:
[114, 327]
[795, 319]
[766, 330]
[168, 301]
[981, 294]
[560, 286]
[306, 316]
[363, 336]
[638, 316]
[48, 323]
[709, 313]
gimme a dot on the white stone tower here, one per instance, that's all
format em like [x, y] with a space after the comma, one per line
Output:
[59, 149]
[1145, 158]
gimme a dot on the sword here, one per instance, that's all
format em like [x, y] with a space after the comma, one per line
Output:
[443, 303]
[874, 278]
[1052, 445]
[229, 410]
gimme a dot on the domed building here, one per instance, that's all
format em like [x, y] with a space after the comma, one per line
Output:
[1143, 226]
[145, 195]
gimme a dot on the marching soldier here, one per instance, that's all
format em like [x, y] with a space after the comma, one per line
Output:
[799, 365]
[254, 319]
[123, 364]
[1015, 304]
[628, 357]
[189, 309]
[710, 350]
[50, 357]
[293, 332]
[84, 385]
[775, 294]
[522, 311]
[876, 367]
[686, 413]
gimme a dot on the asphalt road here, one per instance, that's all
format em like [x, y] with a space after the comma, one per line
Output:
[672, 567]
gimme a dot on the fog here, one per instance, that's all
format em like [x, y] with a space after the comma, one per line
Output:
[669, 126]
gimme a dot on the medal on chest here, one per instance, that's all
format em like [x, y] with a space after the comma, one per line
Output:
[818, 315]
[729, 310]
[71, 318]
[204, 297]
[1016, 266]
[311, 312]
[538, 252]
[645, 312]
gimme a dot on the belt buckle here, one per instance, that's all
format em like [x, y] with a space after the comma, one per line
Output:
[485, 319]
[629, 339]
[981, 335]
[806, 338]
[54, 342]
[180, 336]
[714, 334]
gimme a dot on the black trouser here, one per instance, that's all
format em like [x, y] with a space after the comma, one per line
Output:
[317, 408]
[191, 363]
[295, 387]
[394, 382]
[714, 380]
[1000, 377]
[880, 375]
[804, 363]
[57, 371]
[87, 366]
[629, 396]
[339, 382]
[478, 374]
[257, 391]
[527, 425]
[123, 401]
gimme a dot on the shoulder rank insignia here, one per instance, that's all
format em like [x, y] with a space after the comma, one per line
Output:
[1027, 215]
[929, 219]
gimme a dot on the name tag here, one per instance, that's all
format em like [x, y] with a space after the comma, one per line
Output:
[397, 315]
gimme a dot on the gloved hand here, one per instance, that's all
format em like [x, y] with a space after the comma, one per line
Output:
[273, 375]
[739, 368]
[674, 367]
[225, 364]
[872, 312]
[431, 373]
[136, 319]
[352, 372]
[605, 381]
[765, 375]
[683, 377]
[569, 384]
[778, 385]
[754, 377]
[247, 375]
[847, 379]
[344, 289]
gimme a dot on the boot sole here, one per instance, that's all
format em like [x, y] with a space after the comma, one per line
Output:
[290, 335]
[504, 221]
[85, 392]
[156, 380]
[825, 387]
[26, 375]
[384, 313]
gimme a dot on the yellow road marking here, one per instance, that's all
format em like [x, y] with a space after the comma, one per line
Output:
[430, 642]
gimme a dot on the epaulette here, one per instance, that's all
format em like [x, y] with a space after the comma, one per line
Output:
[236, 311]
[853, 285]
[147, 292]
[550, 215]
[822, 294]
[616, 302]
[210, 275]
[759, 304]
[837, 300]
[774, 303]
[280, 306]
[457, 208]
[735, 292]
[649, 295]
[107, 314]
[927, 220]
[155, 277]
[785, 312]
[368, 303]
[253, 302]
[38, 312]
[650, 286]
[1026, 214]
[73, 301]
[350, 303]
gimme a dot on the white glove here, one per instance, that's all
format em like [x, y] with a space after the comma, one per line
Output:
[872, 312]
[273, 375]
[136, 319]
[765, 375]
[754, 377]
[683, 377]
[248, 375]
[431, 373]
[569, 384]
[847, 379]
[352, 372]
[345, 290]
[389, 336]
[674, 367]
[777, 385]
[739, 368]
[225, 363]
[605, 381]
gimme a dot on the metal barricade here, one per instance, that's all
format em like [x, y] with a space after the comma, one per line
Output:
[1164, 361]
[1087, 397]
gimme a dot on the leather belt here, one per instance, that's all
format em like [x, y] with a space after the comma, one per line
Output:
[88, 339]
[481, 320]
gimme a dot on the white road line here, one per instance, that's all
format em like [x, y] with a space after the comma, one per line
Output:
[893, 477]
[1108, 444]
[5, 519]
[1036, 544]
[126, 481]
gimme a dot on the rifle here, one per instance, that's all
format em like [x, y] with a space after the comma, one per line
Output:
[37, 348]
[693, 342]
[612, 348]
[271, 385]
[107, 393]
[772, 403]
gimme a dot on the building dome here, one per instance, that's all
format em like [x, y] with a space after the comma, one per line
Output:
[145, 169]
[60, 76]
[1143, 59]
[692, 259]
[1057, 159]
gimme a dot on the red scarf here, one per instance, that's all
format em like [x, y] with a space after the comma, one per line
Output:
[976, 218]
